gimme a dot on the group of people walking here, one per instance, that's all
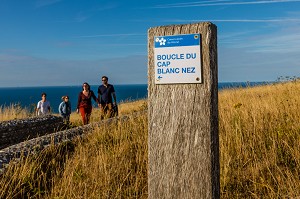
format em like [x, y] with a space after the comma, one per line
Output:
[106, 100]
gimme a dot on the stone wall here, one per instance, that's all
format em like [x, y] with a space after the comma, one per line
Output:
[16, 131]
[35, 145]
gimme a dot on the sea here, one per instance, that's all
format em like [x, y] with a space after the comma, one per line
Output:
[27, 97]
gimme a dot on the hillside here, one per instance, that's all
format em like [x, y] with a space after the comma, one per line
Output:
[259, 153]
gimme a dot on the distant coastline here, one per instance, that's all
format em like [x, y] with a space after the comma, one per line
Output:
[27, 97]
[221, 85]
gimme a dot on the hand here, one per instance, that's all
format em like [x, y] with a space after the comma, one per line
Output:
[77, 110]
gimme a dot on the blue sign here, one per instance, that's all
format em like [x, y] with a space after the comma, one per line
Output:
[177, 40]
[177, 59]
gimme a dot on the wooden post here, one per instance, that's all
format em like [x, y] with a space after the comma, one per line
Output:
[183, 140]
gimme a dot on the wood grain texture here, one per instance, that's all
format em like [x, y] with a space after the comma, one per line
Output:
[183, 124]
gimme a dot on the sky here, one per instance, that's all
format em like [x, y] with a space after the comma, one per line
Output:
[68, 42]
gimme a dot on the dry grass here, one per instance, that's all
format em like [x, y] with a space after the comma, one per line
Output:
[13, 111]
[259, 141]
[33, 177]
[111, 163]
[124, 109]
[259, 146]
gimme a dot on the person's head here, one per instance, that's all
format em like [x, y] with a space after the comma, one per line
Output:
[104, 80]
[44, 96]
[65, 98]
[86, 86]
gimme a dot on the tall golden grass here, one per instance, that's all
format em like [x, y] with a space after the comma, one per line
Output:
[111, 163]
[13, 111]
[117, 152]
[125, 108]
[259, 153]
[260, 141]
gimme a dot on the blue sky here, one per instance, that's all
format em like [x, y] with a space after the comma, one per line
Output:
[68, 42]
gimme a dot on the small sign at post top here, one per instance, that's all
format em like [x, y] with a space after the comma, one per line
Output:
[177, 59]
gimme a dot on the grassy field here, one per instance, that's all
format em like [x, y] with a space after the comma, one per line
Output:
[13, 111]
[259, 141]
[259, 152]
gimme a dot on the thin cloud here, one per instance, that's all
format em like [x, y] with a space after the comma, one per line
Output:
[279, 43]
[191, 3]
[9, 58]
[270, 20]
[111, 35]
[43, 3]
[139, 44]
[220, 3]
[64, 44]
[107, 6]
[234, 20]
[81, 17]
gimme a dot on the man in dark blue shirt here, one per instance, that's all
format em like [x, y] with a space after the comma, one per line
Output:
[105, 94]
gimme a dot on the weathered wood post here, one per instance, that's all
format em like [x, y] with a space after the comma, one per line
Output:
[183, 112]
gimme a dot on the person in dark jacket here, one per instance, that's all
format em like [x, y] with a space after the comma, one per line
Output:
[64, 109]
[106, 92]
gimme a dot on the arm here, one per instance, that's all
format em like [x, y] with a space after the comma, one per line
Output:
[113, 92]
[115, 98]
[60, 108]
[99, 100]
[70, 108]
[99, 97]
[49, 108]
[38, 108]
[94, 97]
[78, 102]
